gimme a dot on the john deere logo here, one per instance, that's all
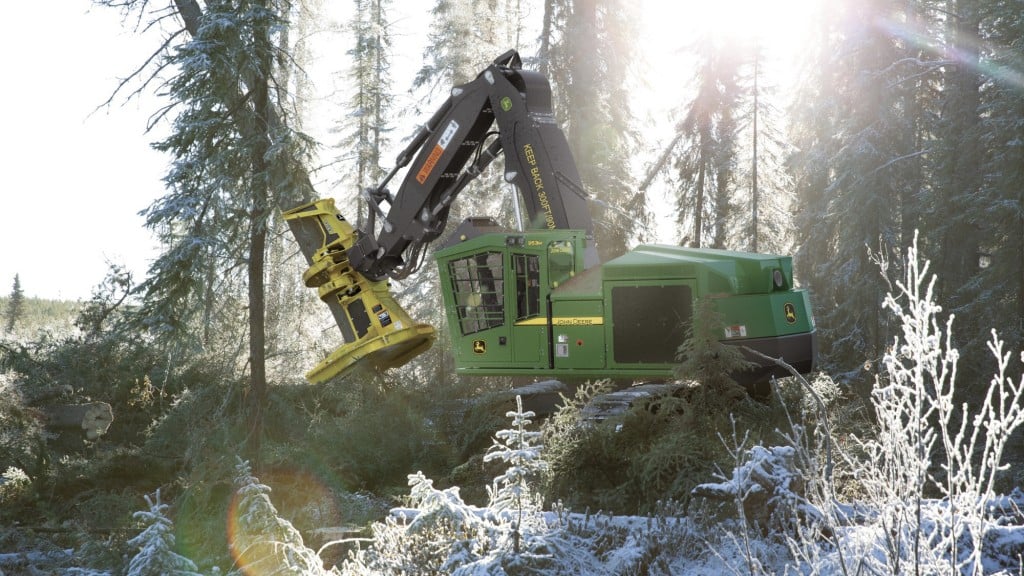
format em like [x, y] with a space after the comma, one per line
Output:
[790, 311]
[479, 347]
[506, 103]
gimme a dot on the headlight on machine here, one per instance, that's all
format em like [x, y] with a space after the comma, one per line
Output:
[778, 279]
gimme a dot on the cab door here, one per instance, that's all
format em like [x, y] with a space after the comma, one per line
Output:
[528, 309]
[478, 289]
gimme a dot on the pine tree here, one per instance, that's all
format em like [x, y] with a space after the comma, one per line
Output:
[367, 122]
[814, 137]
[589, 56]
[1000, 299]
[767, 226]
[261, 541]
[155, 544]
[511, 492]
[705, 148]
[15, 305]
[859, 171]
[977, 220]
[235, 160]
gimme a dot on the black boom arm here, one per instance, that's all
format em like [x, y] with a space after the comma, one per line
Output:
[450, 150]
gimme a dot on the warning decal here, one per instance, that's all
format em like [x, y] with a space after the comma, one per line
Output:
[439, 148]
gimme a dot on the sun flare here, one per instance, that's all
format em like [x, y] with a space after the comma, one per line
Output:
[776, 26]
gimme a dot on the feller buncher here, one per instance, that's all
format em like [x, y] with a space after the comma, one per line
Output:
[533, 302]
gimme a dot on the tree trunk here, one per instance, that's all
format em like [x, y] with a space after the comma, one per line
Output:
[544, 52]
[258, 244]
[92, 419]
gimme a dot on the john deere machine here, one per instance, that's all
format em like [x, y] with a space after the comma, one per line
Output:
[535, 301]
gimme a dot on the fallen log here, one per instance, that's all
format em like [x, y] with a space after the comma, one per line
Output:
[93, 418]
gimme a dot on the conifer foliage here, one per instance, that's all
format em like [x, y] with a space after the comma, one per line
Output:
[261, 541]
[588, 50]
[15, 305]
[155, 544]
[369, 110]
[443, 534]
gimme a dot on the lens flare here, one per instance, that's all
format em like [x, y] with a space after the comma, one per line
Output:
[299, 498]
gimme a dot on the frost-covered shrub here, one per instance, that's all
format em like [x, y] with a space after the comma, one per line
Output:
[155, 554]
[766, 487]
[441, 534]
[262, 542]
[924, 445]
[14, 483]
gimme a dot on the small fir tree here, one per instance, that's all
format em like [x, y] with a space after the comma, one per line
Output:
[511, 491]
[156, 555]
[707, 360]
[261, 541]
[15, 305]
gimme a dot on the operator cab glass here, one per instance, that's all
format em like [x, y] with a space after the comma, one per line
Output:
[478, 287]
[561, 262]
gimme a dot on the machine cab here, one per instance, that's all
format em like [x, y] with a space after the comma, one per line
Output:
[496, 285]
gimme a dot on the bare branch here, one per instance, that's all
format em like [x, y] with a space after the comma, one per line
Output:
[139, 71]
[817, 400]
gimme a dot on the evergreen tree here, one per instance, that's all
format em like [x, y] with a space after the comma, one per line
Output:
[15, 305]
[957, 166]
[859, 170]
[590, 48]
[511, 491]
[155, 545]
[235, 160]
[704, 150]
[977, 217]
[999, 298]
[768, 225]
[813, 117]
[366, 124]
[261, 541]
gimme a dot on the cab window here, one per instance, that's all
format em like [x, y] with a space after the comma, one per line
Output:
[561, 262]
[478, 286]
[527, 267]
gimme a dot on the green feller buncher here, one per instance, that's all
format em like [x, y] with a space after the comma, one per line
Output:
[533, 302]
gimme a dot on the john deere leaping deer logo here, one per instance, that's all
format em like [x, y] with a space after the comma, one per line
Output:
[479, 347]
[790, 311]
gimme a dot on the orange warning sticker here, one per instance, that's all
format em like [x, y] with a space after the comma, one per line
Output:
[439, 148]
[428, 166]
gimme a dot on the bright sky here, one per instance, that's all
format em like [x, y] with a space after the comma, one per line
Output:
[76, 175]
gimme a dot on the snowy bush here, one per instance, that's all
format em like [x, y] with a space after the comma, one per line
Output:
[261, 541]
[155, 544]
[14, 483]
[924, 444]
[766, 488]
